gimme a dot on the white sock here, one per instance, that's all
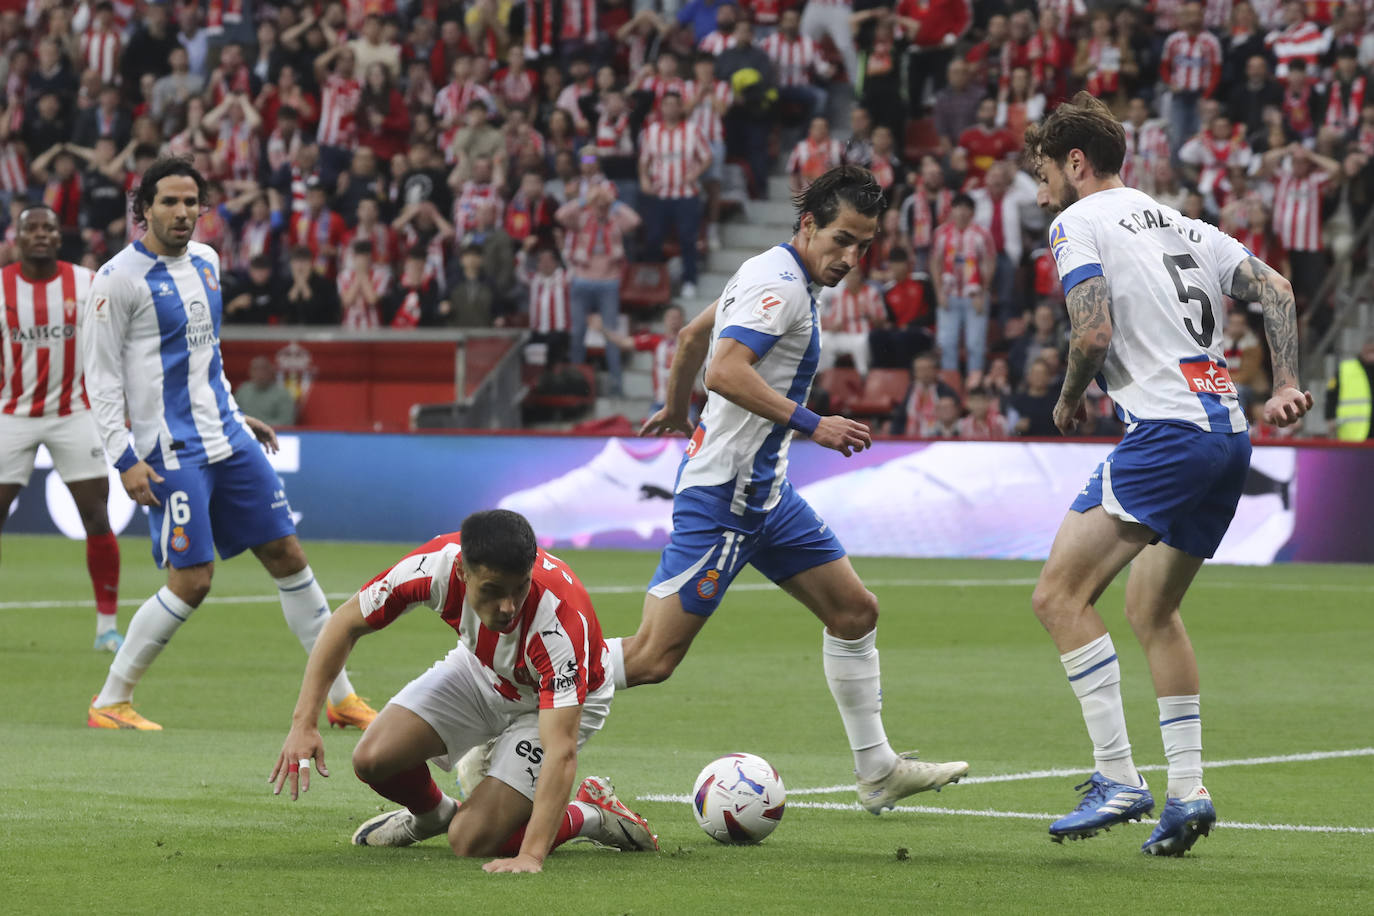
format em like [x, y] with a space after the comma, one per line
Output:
[617, 646]
[307, 611]
[150, 629]
[851, 670]
[438, 816]
[591, 816]
[1180, 723]
[104, 623]
[1095, 676]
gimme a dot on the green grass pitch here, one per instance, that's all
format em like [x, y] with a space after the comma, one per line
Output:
[183, 822]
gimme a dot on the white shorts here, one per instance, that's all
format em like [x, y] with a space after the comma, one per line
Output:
[455, 697]
[72, 441]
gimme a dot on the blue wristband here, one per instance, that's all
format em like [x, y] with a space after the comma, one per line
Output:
[803, 420]
[126, 460]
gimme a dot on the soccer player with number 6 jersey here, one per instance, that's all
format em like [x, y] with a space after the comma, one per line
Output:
[150, 338]
[43, 398]
[1145, 292]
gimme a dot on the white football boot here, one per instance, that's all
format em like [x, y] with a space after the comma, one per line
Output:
[908, 777]
[393, 828]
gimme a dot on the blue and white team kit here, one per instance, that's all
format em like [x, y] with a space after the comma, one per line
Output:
[732, 501]
[151, 338]
[1181, 467]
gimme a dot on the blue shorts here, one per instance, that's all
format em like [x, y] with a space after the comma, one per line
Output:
[231, 505]
[710, 545]
[1178, 481]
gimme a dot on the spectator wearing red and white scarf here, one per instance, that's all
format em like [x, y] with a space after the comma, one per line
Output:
[797, 64]
[1147, 145]
[664, 348]
[1211, 153]
[962, 264]
[362, 288]
[1299, 101]
[984, 422]
[922, 211]
[480, 189]
[386, 248]
[997, 208]
[319, 229]
[1190, 66]
[414, 300]
[1301, 179]
[1103, 60]
[1299, 39]
[237, 150]
[1345, 93]
[1051, 54]
[564, 26]
[515, 83]
[530, 213]
[814, 155]
[550, 302]
[339, 94]
[673, 155]
[452, 102]
[613, 136]
[848, 313]
[596, 227]
[660, 79]
[919, 406]
[707, 99]
[102, 43]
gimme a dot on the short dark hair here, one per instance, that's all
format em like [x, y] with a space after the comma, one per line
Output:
[844, 184]
[166, 167]
[961, 200]
[499, 540]
[1086, 124]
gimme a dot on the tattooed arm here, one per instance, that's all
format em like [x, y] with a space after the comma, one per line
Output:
[1255, 281]
[1090, 315]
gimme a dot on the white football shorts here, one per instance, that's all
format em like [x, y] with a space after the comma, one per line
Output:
[456, 698]
[72, 441]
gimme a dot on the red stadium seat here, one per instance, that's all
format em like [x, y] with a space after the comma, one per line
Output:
[920, 138]
[844, 385]
[645, 286]
[883, 390]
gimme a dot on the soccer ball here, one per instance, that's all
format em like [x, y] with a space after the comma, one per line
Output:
[739, 798]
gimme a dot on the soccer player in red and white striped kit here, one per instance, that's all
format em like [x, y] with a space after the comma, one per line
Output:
[43, 398]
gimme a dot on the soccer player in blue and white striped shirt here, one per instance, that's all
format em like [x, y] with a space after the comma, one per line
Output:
[151, 345]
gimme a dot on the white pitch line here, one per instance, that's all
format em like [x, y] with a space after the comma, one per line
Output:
[638, 588]
[1063, 772]
[1028, 815]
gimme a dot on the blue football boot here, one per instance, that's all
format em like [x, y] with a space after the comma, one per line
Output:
[1183, 821]
[1105, 804]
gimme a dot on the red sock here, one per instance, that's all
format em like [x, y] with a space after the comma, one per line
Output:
[571, 826]
[415, 789]
[102, 561]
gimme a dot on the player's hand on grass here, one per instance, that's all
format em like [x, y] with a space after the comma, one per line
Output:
[521, 864]
[1069, 416]
[842, 434]
[303, 745]
[1287, 406]
[665, 422]
[138, 483]
[264, 433]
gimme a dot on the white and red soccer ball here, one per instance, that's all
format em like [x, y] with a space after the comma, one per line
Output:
[739, 798]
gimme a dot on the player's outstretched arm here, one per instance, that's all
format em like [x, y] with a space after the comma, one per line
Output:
[693, 342]
[1256, 281]
[1089, 305]
[558, 733]
[327, 659]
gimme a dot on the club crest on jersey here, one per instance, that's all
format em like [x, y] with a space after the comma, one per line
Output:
[1208, 378]
[98, 308]
[179, 541]
[767, 306]
[708, 585]
[1059, 242]
[210, 282]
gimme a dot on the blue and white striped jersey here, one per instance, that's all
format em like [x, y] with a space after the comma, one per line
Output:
[150, 339]
[770, 307]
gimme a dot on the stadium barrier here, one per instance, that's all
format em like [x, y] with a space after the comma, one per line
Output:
[917, 499]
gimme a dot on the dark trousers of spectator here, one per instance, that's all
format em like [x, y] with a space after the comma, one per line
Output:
[1004, 288]
[1308, 269]
[684, 215]
[1184, 118]
[746, 136]
[602, 297]
[895, 348]
[334, 161]
[556, 345]
[811, 99]
[882, 96]
[922, 67]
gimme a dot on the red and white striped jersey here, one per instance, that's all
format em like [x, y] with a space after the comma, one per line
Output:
[550, 657]
[1191, 63]
[668, 154]
[766, 12]
[613, 135]
[660, 87]
[436, 253]
[515, 89]
[957, 257]
[1297, 42]
[851, 311]
[254, 238]
[237, 151]
[339, 100]
[704, 116]
[989, 427]
[1298, 209]
[319, 234]
[794, 59]
[1343, 104]
[916, 218]
[549, 307]
[385, 251]
[358, 312]
[662, 347]
[454, 99]
[812, 160]
[472, 195]
[14, 175]
[1146, 147]
[1068, 13]
[716, 43]
[281, 150]
[100, 51]
[40, 363]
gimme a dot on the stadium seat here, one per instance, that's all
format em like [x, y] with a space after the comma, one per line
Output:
[919, 138]
[954, 380]
[883, 390]
[645, 286]
[844, 385]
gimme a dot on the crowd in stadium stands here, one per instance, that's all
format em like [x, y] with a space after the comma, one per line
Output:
[413, 163]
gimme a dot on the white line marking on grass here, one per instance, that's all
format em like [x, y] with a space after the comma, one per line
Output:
[1063, 772]
[1027, 815]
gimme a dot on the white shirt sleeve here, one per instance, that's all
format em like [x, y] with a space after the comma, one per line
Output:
[1074, 244]
[1227, 254]
[757, 313]
[103, 329]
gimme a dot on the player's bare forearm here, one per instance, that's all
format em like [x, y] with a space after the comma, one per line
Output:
[732, 376]
[1089, 305]
[1256, 281]
[558, 733]
[327, 659]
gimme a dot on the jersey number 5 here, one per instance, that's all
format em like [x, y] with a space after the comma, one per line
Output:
[1186, 294]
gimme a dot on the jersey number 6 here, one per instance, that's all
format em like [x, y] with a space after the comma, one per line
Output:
[1175, 263]
[180, 508]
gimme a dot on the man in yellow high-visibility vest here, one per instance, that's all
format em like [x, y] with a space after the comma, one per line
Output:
[1348, 397]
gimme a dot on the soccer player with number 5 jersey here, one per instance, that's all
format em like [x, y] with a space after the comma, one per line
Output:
[1145, 292]
[150, 338]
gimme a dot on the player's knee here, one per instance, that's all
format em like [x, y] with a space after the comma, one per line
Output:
[654, 670]
[191, 586]
[1047, 601]
[855, 618]
[95, 520]
[1143, 616]
[282, 557]
[369, 765]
